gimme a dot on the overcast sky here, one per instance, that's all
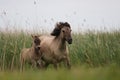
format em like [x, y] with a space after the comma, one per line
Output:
[43, 14]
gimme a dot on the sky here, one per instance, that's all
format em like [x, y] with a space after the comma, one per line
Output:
[43, 14]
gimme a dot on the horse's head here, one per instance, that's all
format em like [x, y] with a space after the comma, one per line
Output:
[36, 42]
[64, 30]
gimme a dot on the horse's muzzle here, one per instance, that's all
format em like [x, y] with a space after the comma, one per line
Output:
[69, 41]
[37, 48]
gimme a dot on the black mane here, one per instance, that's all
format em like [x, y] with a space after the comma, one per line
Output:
[56, 31]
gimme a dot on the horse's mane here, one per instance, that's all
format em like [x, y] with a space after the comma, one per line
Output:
[56, 31]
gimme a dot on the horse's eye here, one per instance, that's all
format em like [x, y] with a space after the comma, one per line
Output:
[35, 41]
[63, 31]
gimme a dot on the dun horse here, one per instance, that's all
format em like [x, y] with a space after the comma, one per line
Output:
[31, 55]
[54, 48]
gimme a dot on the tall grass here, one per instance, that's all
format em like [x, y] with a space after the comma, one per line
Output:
[96, 49]
[92, 49]
[10, 47]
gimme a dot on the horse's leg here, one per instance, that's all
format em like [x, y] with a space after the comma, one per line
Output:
[46, 65]
[55, 63]
[40, 64]
[21, 64]
[67, 62]
[55, 66]
[33, 63]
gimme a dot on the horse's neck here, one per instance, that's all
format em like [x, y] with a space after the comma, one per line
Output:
[61, 43]
[32, 49]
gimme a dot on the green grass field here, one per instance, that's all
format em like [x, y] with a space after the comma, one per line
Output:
[94, 56]
[76, 73]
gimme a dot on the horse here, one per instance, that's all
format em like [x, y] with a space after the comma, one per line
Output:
[54, 48]
[31, 55]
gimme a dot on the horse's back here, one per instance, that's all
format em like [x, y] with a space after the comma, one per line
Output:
[46, 40]
[24, 53]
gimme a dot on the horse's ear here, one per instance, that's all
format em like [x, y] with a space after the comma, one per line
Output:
[67, 24]
[36, 39]
[34, 36]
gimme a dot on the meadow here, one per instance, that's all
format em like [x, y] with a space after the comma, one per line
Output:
[93, 55]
